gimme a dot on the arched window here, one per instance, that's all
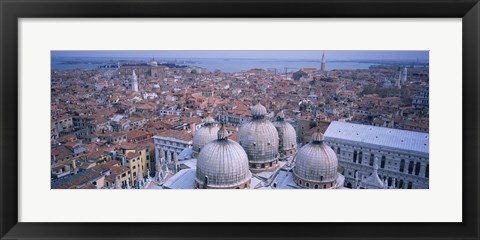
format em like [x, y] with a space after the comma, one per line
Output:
[349, 185]
[307, 185]
[300, 181]
[417, 168]
[324, 186]
[382, 163]
[409, 185]
[410, 167]
[360, 156]
[354, 156]
[400, 184]
[338, 150]
[402, 165]
[389, 181]
[316, 186]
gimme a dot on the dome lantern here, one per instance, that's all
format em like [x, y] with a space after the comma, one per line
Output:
[222, 133]
[259, 111]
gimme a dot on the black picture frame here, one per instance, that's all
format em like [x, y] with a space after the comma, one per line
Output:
[11, 11]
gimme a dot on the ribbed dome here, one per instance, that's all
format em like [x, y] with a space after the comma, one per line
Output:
[316, 162]
[259, 110]
[259, 138]
[223, 164]
[204, 135]
[287, 136]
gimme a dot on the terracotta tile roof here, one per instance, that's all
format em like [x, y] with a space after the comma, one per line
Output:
[182, 135]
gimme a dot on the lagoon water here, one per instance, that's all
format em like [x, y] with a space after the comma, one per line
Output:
[224, 65]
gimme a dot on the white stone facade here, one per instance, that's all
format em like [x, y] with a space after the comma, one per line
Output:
[170, 145]
[399, 166]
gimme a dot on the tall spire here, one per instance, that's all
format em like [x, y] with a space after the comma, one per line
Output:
[134, 82]
[404, 75]
[322, 67]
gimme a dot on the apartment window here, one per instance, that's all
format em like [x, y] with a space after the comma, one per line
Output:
[417, 168]
[402, 165]
[410, 167]
[354, 156]
[360, 156]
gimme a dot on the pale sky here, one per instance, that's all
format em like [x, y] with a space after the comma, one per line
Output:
[271, 54]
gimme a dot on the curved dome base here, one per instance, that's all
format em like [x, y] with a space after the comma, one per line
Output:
[244, 185]
[313, 185]
[285, 154]
[265, 166]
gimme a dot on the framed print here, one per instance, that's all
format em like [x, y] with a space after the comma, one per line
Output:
[227, 119]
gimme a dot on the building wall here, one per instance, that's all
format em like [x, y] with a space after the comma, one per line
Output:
[170, 145]
[134, 164]
[410, 169]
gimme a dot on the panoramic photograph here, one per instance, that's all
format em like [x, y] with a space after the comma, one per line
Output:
[239, 119]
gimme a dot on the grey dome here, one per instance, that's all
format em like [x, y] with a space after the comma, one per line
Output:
[223, 163]
[316, 162]
[204, 135]
[259, 138]
[287, 137]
